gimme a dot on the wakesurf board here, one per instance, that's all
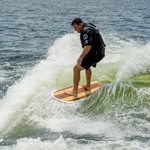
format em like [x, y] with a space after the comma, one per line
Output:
[82, 92]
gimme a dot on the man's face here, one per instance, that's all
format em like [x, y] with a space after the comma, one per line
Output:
[78, 28]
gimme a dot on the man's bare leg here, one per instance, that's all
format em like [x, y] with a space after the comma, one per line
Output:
[76, 78]
[88, 74]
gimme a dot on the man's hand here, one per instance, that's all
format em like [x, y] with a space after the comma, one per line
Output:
[85, 51]
[79, 61]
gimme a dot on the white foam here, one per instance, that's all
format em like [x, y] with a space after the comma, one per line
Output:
[134, 62]
[38, 83]
[73, 144]
[31, 144]
[31, 99]
[2, 79]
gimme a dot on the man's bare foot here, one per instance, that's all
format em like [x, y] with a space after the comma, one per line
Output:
[86, 88]
[70, 93]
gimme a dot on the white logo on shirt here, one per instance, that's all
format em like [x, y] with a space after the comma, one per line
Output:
[86, 41]
[85, 36]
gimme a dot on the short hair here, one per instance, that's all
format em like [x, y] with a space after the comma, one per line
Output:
[76, 21]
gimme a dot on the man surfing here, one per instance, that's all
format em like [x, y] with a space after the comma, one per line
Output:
[93, 52]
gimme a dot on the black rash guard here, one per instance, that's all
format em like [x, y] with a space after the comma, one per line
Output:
[90, 36]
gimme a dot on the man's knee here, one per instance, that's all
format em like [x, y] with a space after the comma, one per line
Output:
[77, 68]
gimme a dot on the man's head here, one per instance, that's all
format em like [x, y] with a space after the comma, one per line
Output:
[77, 24]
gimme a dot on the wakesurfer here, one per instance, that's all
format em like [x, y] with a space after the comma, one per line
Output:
[93, 52]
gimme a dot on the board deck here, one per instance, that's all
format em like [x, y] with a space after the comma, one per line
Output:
[82, 93]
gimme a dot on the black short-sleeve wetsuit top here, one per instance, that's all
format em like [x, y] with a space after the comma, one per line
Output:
[90, 36]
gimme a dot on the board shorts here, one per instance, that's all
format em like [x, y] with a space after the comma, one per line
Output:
[93, 59]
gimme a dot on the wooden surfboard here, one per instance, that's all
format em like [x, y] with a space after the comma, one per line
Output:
[82, 93]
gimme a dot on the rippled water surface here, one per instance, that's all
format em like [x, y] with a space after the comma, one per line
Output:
[38, 49]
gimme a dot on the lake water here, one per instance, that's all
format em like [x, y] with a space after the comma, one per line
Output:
[38, 49]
